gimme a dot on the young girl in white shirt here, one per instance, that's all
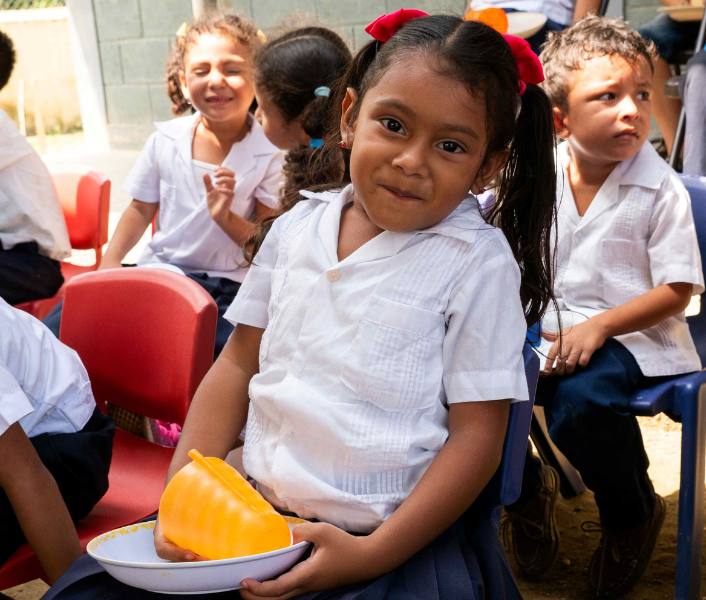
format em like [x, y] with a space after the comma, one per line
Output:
[380, 328]
[219, 147]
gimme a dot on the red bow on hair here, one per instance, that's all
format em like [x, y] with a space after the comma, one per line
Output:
[529, 68]
[384, 27]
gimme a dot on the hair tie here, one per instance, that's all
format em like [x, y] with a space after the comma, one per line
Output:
[316, 142]
[385, 26]
[529, 69]
[323, 90]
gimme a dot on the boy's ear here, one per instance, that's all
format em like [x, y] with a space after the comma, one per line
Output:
[347, 121]
[488, 170]
[561, 122]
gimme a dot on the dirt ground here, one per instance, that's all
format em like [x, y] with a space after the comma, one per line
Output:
[568, 578]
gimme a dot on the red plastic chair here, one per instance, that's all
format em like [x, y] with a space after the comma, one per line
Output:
[85, 202]
[146, 337]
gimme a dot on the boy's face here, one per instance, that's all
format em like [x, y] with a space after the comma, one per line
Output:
[607, 118]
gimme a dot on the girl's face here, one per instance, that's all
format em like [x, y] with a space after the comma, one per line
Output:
[285, 135]
[217, 78]
[418, 146]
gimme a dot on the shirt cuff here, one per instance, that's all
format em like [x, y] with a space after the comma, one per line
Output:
[475, 386]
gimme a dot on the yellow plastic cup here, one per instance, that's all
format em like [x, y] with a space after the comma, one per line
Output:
[210, 509]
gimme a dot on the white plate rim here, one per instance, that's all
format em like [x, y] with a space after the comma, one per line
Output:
[178, 565]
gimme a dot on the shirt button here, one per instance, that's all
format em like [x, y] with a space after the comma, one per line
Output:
[333, 275]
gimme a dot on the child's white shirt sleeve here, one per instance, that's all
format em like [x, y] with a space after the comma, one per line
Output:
[250, 306]
[485, 334]
[143, 182]
[672, 245]
[14, 404]
[268, 190]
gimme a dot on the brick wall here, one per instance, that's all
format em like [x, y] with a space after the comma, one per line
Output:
[134, 38]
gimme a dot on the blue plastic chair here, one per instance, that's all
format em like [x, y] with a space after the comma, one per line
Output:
[683, 399]
[505, 486]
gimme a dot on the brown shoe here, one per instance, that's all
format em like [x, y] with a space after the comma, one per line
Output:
[529, 530]
[622, 556]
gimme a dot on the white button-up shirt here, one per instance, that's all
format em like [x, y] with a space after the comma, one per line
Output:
[361, 357]
[43, 383]
[187, 236]
[637, 233]
[29, 207]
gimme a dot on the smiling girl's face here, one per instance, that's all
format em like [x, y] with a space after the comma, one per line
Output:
[418, 146]
[218, 78]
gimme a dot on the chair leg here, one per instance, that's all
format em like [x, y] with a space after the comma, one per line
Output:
[571, 482]
[691, 497]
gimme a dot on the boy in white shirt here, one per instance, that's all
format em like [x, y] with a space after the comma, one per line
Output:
[55, 445]
[627, 258]
[33, 236]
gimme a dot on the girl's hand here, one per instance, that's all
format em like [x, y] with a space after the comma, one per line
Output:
[106, 263]
[578, 345]
[219, 197]
[338, 558]
[170, 551]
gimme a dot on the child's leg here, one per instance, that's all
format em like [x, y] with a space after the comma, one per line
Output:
[223, 291]
[588, 420]
[26, 275]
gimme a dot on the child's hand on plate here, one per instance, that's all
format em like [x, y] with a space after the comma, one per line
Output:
[169, 550]
[577, 346]
[220, 193]
[324, 569]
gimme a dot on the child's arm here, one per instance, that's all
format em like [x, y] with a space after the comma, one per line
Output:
[133, 222]
[219, 198]
[217, 413]
[457, 475]
[37, 503]
[647, 310]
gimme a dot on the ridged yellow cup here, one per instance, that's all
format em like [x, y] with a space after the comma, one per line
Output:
[210, 509]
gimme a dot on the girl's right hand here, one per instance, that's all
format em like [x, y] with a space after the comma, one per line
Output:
[170, 551]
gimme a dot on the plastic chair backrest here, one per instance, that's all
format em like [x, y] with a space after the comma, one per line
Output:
[697, 191]
[85, 202]
[146, 337]
[505, 486]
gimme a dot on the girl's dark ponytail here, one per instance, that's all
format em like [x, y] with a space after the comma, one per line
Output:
[526, 207]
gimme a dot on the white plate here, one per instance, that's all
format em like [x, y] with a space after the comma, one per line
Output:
[683, 13]
[128, 554]
[525, 24]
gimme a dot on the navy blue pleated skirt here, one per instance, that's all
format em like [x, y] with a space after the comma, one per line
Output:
[466, 562]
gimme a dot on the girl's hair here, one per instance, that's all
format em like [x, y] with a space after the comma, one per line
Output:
[288, 70]
[477, 55]
[7, 58]
[234, 27]
[566, 51]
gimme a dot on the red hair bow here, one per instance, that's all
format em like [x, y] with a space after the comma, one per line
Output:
[529, 68]
[385, 26]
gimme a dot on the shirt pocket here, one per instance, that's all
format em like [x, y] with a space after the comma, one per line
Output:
[621, 277]
[395, 361]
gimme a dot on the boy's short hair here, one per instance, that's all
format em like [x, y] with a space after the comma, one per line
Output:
[7, 58]
[565, 51]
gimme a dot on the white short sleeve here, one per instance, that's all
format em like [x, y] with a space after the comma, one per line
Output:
[143, 181]
[672, 246]
[250, 305]
[486, 330]
[268, 190]
[14, 404]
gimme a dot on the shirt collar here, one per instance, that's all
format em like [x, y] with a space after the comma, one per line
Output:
[646, 169]
[466, 217]
[255, 142]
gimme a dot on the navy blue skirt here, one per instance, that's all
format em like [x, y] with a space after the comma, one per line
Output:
[466, 562]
